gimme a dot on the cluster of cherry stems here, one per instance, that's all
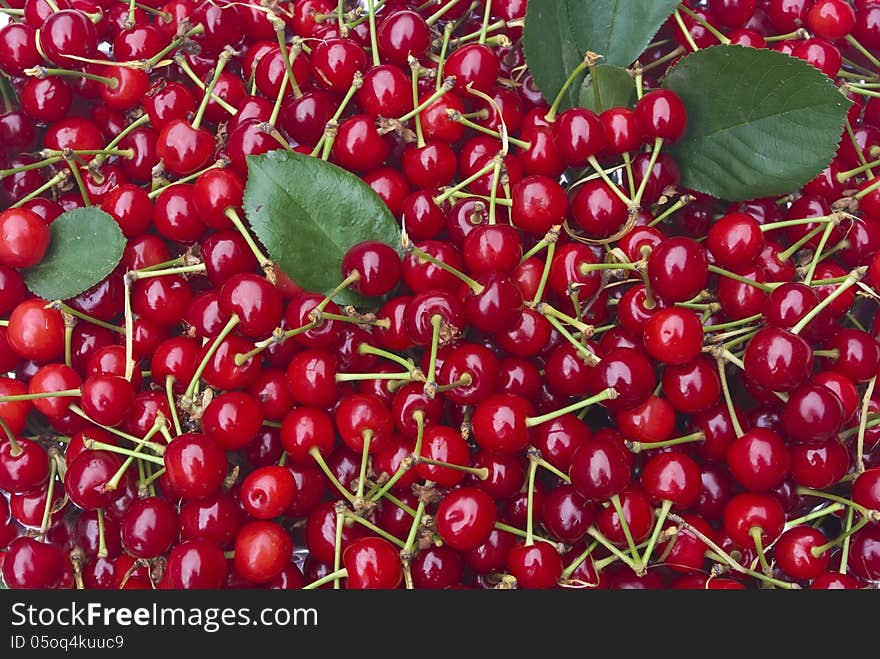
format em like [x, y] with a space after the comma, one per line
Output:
[576, 375]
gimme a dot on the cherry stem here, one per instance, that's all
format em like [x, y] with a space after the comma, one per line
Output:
[42, 72]
[28, 167]
[222, 60]
[327, 578]
[431, 379]
[821, 549]
[810, 492]
[374, 42]
[316, 454]
[155, 192]
[577, 562]
[16, 447]
[638, 447]
[816, 514]
[279, 336]
[466, 182]
[864, 51]
[156, 448]
[415, 67]
[101, 446]
[367, 436]
[553, 470]
[375, 529]
[56, 180]
[597, 166]
[177, 270]
[545, 274]
[444, 47]
[549, 312]
[686, 33]
[102, 535]
[209, 354]
[702, 21]
[743, 280]
[436, 16]
[337, 545]
[458, 117]
[683, 201]
[45, 394]
[408, 461]
[169, 393]
[594, 533]
[50, 492]
[263, 260]
[655, 153]
[588, 356]
[361, 377]
[180, 60]
[852, 279]
[113, 483]
[734, 323]
[325, 144]
[590, 59]
[606, 394]
[665, 507]
[624, 525]
[826, 234]
[863, 425]
[844, 550]
[824, 219]
[756, 532]
[367, 349]
[74, 169]
[534, 457]
[725, 388]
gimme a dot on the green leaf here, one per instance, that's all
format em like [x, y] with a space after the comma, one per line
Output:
[760, 123]
[308, 213]
[86, 246]
[616, 88]
[558, 33]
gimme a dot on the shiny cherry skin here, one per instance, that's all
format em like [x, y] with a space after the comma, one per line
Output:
[195, 466]
[262, 550]
[465, 518]
[372, 564]
[535, 566]
[149, 527]
[794, 553]
[778, 360]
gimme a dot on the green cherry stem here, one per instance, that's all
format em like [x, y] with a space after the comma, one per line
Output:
[594, 533]
[624, 525]
[209, 355]
[665, 507]
[169, 393]
[534, 457]
[725, 388]
[316, 455]
[831, 544]
[844, 549]
[590, 59]
[709, 27]
[437, 15]
[367, 349]
[682, 201]
[50, 493]
[102, 536]
[602, 396]
[263, 260]
[222, 61]
[340, 523]
[826, 234]
[863, 425]
[713, 546]
[638, 447]
[545, 274]
[180, 60]
[852, 279]
[743, 280]
[590, 358]
[444, 48]
[816, 514]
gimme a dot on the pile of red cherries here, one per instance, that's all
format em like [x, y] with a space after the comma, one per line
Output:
[569, 372]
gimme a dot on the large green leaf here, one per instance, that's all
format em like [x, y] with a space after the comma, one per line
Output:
[308, 213]
[760, 123]
[615, 85]
[558, 33]
[86, 245]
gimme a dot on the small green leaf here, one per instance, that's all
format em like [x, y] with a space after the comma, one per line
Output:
[760, 123]
[616, 88]
[558, 33]
[86, 245]
[308, 213]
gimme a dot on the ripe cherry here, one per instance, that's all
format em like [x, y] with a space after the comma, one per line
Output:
[465, 518]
